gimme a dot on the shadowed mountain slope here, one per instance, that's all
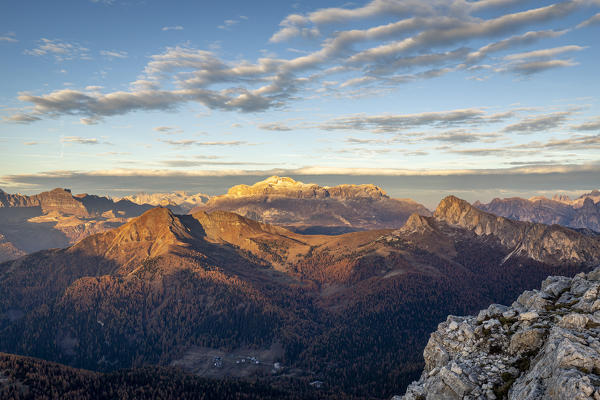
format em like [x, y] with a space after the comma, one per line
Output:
[352, 310]
[57, 219]
[583, 212]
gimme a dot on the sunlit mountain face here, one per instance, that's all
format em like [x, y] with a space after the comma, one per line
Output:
[283, 199]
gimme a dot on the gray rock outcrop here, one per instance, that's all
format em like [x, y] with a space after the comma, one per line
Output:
[546, 345]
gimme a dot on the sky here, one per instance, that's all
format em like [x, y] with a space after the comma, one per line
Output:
[479, 98]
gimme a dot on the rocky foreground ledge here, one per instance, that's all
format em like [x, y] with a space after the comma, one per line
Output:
[545, 346]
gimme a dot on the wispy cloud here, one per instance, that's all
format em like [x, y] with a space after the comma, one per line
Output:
[172, 28]
[275, 126]
[544, 53]
[79, 140]
[534, 67]
[189, 142]
[595, 20]
[201, 163]
[9, 37]
[393, 123]
[168, 130]
[113, 54]
[21, 118]
[228, 23]
[592, 125]
[59, 49]
[539, 123]
[427, 40]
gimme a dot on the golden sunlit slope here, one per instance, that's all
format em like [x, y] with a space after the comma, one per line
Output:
[315, 209]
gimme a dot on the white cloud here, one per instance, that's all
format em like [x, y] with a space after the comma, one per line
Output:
[79, 140]
[544, 53]
[21, 118]
[113, 54]
[61, 50]
[8, 38]
[393, 123]
[228, 23]
[428, 40]
[275, 126]
[172, 28]
[595, 20]
[539, 123]
[189, 142]
[526, 38]
[593, 125]
[167, 130]
[534, 67]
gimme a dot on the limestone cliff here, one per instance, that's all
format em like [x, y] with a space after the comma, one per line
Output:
[541, 242]
[180, 202]
[546, 345]
[310, 208]
[288, 187]
[57, 218]
[583, 212]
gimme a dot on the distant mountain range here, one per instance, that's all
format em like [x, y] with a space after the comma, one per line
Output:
[219, 294]
[583, 212]
[310, 208]
[180, 202]
[56, 219]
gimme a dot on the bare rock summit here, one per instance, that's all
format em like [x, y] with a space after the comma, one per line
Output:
[546, 345]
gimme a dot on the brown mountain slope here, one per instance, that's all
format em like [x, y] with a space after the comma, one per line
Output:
[57, 219]
[352, 310]
[311, 208]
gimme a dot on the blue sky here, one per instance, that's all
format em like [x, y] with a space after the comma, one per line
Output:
[181, 93]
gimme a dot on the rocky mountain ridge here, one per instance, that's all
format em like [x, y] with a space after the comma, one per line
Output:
[310, 208]
[538, 241]
[546, 345]
[57, 218]
[288, 187]
[180, 202]
[583, 212]
[594, 195]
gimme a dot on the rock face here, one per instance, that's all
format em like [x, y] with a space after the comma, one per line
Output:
[310, 208]
[56, 219]
[541, 242]
[55, 200]
[179, 202]
[583, 212]
[8, 251]
[546, 345]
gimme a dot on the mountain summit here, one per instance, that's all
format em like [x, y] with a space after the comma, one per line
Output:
[583, 212]
[547, 243]
[310, 208]
[288, 187]
[544, 346]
